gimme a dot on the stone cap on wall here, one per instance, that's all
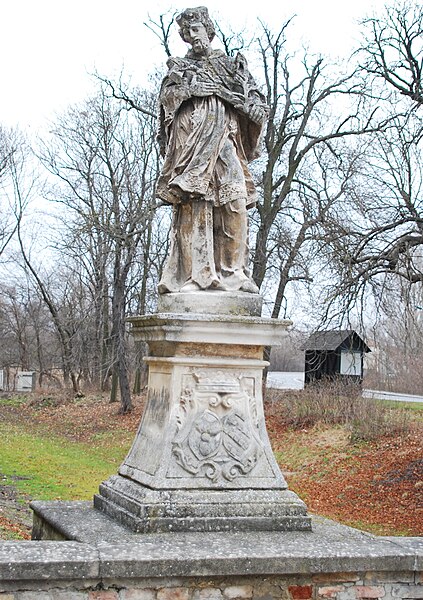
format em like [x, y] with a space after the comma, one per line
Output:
[109, 551]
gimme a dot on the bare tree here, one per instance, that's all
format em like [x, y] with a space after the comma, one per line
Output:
[392, 50]
[397, 357]
[162, 28]
[384, 240]
[106, 159]
[305, 171]
[49, 289]
[381, 244]
[13, 160]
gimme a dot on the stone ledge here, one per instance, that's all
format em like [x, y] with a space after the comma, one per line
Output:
[245, 555]
[111, 551]
[20, 561]
[208, 328]
[414, 544]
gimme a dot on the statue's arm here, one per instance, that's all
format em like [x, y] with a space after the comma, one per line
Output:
[254, 105]
[175, 89]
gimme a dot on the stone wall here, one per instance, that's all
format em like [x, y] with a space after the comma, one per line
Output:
[337, 586]
[331, 563]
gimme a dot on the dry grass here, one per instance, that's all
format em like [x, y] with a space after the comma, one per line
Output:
[336, 403]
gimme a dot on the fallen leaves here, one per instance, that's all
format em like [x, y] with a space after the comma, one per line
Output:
[376, 486]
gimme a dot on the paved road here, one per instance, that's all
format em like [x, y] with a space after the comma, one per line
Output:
[295, 381]
[392, 396]
[285, 380]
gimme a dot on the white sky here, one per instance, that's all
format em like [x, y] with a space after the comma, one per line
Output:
[49, 47]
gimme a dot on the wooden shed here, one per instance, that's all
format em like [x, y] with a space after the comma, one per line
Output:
[334, 354]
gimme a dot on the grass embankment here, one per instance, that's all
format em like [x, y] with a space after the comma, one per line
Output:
[396, 404]
[47, 467]
[352, 459]
[356, 460]
[54, 449]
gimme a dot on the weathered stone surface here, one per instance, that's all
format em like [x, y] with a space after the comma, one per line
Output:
[211, 303]
[329, 548]
[209, 329]
[47, 561]
[369, 591]
[47, 593]
[373, 578]
[203, 427]
[214, 566]
[238, 592]
[66, 595]
[336, 577]
[137, 594]
[329, 591]
[145, 510]
[74, 521]
[211, 116]
[203, 437]
[173, 593]
[414, 544]
[208, 593]
[406, 591]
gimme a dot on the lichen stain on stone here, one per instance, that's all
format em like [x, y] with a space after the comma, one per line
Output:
[158, 405]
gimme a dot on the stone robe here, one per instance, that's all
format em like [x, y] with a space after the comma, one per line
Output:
[207, 142]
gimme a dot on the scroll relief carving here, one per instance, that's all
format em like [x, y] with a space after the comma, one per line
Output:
[217, 421]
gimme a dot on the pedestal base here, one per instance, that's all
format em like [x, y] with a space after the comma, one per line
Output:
[201, 460]
[152, 511]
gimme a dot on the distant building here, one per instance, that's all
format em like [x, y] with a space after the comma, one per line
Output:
[13, 379]
[334, 354]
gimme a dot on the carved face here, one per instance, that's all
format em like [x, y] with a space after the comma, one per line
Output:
[195, 33]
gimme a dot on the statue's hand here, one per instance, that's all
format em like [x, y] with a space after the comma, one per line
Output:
[201, 89]
[256, 113]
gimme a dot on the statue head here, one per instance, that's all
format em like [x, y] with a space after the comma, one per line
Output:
[191, 16]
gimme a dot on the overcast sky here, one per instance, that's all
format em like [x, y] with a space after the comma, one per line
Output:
[49, 47]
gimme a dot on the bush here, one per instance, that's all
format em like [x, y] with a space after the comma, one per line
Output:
[338, 403]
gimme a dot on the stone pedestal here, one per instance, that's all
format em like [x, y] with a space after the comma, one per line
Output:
[201, 459]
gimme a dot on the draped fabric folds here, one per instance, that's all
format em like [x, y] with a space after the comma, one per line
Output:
[205, 175]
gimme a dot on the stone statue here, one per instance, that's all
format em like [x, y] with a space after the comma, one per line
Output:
[211, 119]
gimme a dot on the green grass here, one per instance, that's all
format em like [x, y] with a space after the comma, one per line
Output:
[14, 400]
[295, 456]
[376, 528]
[55, 468]
[6, 534]
[298, 452]
[416, 406]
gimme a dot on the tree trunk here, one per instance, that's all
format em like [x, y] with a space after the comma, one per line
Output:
[114, 387]
[141, 369]
[125, 392]
[136, 390]
[118, 335]
[105, 343]
[260, 255]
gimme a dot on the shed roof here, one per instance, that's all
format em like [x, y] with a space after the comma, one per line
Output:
[331, 340]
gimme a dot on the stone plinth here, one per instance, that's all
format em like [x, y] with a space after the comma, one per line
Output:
[201, 459]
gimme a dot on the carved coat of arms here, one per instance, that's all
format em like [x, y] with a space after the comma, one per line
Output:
[217, 435]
